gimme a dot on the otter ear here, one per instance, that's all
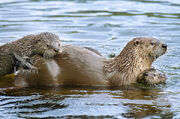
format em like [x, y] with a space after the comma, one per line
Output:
[136, 42]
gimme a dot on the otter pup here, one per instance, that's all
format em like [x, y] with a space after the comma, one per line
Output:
[151, 76]
[45, 44]
[81, 67]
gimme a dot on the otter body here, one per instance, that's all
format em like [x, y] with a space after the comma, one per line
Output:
[66, 71]
[82, 67]
[45, 44]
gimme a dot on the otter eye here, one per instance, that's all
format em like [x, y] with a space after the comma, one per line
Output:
[47, 45]
[136, 42]
[152, 43]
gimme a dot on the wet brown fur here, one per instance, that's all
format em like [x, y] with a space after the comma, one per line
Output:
[93, 50]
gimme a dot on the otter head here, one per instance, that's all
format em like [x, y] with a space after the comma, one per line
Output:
[47, 44]
[149, 48]
[151, 76]
[136, 57]
[140, 53]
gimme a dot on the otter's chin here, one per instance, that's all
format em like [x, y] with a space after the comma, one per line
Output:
[160, 54]
[60, 51]
[155, 56]
[49, 54]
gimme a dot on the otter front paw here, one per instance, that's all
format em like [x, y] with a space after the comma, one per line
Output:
[27, 72]
[24, 65]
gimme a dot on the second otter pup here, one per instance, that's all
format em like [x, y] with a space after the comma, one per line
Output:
[46, 44]
[151, 76]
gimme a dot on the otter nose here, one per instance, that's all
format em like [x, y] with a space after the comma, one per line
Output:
[56, 49]
[164, 46]
[145, 74]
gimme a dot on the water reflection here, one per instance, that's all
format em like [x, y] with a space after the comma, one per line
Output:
[86, 102]
[146, 103]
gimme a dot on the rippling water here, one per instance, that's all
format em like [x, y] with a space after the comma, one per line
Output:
[106, 25]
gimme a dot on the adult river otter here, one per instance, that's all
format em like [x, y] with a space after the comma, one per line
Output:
[80, 66]
[151, 76]
[45, 44]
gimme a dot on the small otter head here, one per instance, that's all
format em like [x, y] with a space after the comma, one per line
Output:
[151, 76]
[148, 47]
[47, 44]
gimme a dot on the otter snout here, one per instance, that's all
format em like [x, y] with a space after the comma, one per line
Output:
[57, 49]
[56, 46]
[164, 46]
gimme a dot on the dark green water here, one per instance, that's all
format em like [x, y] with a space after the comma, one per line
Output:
[106, 25]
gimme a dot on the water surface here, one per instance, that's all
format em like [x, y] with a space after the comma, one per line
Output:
[106, 25]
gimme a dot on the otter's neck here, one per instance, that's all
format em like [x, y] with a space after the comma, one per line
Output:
[127, 66]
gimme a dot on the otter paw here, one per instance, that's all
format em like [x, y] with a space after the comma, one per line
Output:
[27, 72]
[24, 62]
